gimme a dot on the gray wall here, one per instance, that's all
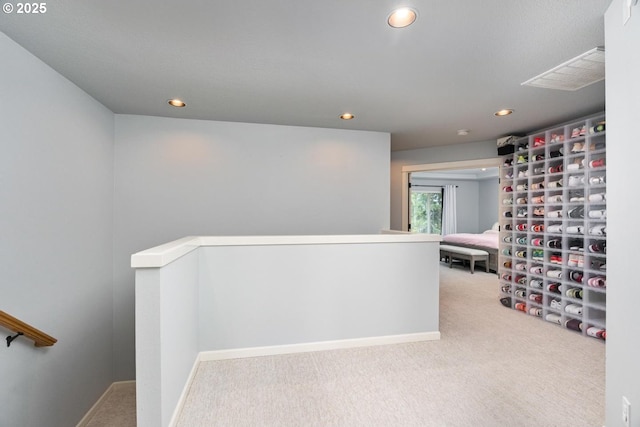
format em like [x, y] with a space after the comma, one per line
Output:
[487, 203]
[466, 201]
[450, 153]
[177, 177]
[56, 195]
[623, 205]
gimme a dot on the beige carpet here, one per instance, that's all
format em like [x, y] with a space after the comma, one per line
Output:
[118, 408]
[493, 367]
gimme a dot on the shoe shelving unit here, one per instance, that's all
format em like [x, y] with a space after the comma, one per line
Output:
[552, 258]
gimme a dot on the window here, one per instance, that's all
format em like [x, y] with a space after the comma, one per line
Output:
[425, 211]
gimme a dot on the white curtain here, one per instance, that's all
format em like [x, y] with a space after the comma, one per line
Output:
[449, 224]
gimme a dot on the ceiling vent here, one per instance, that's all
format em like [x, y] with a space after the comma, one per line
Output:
[574, 74]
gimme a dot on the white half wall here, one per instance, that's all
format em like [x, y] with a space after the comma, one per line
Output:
[177, 177]
[623, 205]
[245, 296]
[56, 201]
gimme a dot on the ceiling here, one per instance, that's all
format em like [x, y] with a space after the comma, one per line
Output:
[304, 63]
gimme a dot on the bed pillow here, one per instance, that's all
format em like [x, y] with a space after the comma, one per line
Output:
[490, 232]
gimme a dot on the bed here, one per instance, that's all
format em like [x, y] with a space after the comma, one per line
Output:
[486, 241]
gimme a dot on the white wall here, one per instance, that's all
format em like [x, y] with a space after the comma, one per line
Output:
[623, 205]
[56, 194]
[450, 153]
[177, 177]
[487, 203]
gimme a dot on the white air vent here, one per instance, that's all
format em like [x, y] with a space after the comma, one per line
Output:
[574, 74]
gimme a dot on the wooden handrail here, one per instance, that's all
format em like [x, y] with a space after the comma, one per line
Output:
[39, 338]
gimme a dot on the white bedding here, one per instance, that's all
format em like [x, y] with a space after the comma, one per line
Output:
[488, 239]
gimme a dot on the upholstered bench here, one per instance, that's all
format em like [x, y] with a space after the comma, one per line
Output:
[465, 254]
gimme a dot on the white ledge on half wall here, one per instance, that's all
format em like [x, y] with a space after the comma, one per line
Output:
[162, 255]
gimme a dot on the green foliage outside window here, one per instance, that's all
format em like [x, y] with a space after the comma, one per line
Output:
[426, 212]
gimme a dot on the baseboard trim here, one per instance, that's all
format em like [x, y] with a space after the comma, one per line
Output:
[91, 412]
[185, 392]
[206, 356]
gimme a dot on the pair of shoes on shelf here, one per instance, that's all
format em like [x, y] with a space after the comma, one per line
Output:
[575, 229]
[576, 180]
[597, 282]
[556, 198]
[598, 247]
[598, 230]
[554, 228]
[555, 184]
[596, 163]
[555, 259]
[537, 185]
[523, 174]
[538, 141]
[555, 214]
[537, 200]
[576, 196]
[597, 180]
[556, 303]
[575, 260]
[576, 165]
[555, 169]
[555, 274]
[598, 214]
[576, 276]
[579, 131]
[556, 288]
[537, 228]
[574, 293]
[556, 138]
[576, 213]
[537, 242]
[598, 197]
[555, 244]
[536, 298]
[535, 269]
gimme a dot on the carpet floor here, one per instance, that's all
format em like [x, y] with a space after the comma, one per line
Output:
[492, 367]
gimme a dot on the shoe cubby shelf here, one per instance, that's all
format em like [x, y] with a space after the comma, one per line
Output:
[553, 226]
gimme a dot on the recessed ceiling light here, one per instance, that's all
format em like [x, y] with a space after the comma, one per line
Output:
[463, 132]
[347, 116]
[177, 103]
[504, 112]
[402, 17]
